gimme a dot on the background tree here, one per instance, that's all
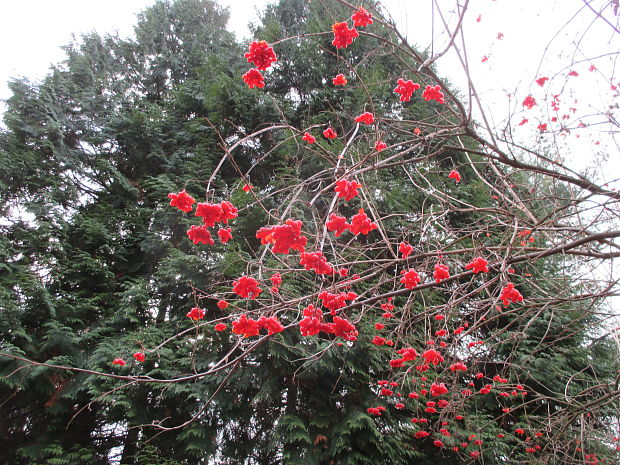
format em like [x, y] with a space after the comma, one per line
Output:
[100, 267]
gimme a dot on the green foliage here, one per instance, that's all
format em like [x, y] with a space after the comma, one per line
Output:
[100, 267]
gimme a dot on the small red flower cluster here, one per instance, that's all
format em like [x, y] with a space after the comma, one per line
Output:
[433, 93]
[380, 146]
[347, 189]
[246, 287]
[406, 89]
[118, 361]
[283, 237]
[541, 81]
[139, 357]
[249, 327]
[365, 118]
[343, 36]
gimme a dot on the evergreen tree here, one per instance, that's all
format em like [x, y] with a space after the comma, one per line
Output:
[97, 265]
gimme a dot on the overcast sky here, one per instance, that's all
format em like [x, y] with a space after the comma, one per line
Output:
[522, 40]
[32, 31]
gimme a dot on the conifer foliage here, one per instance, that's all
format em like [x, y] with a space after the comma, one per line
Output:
[192, 274]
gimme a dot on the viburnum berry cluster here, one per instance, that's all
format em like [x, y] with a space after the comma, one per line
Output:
[441, 272]
[307, 137]
[196, 314]
[365, 118]
[478, 265]
[315, 261]
[339, 80]
[455, 175]
[248, 327]
[183, 201]
[406, 89]
[262, 56]
[361, 18]
[439, 381]
[343, 36]
[284, 237]
[410, 279]
[329, 133]
[246, 287]
[211, 214]
[433, 93]
[360, 224]
[337, 224]
[334, 302]
[529, 102]
[347, 189]
[312, 324]
[510, 294]
[254, 78]
[380, 146]
[200, 234]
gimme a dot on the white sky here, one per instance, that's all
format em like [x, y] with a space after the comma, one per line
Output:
[32, 32]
